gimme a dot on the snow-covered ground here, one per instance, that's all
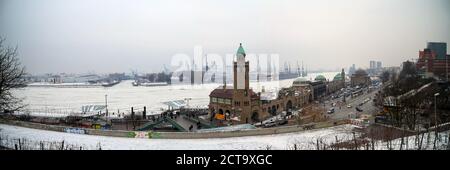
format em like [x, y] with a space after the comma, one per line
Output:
[412, 142]
[303, 140]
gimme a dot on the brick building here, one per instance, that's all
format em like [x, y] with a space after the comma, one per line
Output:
[430, 64]
[240, 103]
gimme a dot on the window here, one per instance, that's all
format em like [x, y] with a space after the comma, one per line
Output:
[227, 101]
[213, 99]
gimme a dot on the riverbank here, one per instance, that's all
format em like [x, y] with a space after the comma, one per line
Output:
[175, 135]
[302, 140]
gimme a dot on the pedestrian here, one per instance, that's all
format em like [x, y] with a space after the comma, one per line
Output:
[191, 127]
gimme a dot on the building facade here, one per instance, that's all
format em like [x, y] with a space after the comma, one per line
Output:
[338, 82]
[430, 63]
[360, 78]
[240, 103]
[440, 48]
[321, 86]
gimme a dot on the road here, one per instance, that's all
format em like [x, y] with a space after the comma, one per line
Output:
[342, 112]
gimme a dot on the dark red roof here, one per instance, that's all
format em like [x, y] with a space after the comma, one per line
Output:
[228, 93]
[222, 93]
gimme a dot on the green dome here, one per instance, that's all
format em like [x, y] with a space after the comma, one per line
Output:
[320, 78]
[337, 77]
[300, 80]
[240, 50]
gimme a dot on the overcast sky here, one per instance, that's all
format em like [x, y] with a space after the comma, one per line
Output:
[119, 35]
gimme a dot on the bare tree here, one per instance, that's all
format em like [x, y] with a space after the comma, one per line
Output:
[385, 76]
[11, 77]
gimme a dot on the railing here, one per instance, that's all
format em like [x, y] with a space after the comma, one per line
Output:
[150, 125]
[202, 122]
[174, 123]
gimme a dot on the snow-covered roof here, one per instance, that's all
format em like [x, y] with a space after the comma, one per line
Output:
[176, 104]
[268, 95]
[93, 108]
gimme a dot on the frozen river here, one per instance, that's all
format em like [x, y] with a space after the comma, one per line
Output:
[124, 96]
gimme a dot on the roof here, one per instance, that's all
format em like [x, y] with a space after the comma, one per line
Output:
[176, 104]
[360, 72]
[227, 93]
[269, 95]
[338, 76]
[300, 80]
[222, 93]
[240, 50]
[320, 78]
[93, 108]
[390, 101]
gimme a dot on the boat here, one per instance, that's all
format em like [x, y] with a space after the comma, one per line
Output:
[150, 84]
[154, 84]
[110, 84]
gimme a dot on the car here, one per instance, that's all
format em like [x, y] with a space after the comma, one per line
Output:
[361, 104]
[331, 111]
[349, 106]
[359, 109]
[269, 124]
[282, 122]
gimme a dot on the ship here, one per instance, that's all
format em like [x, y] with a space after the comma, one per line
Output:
[110, 84]
[149, 84]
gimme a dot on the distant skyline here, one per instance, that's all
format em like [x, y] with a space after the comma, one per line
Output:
[80, 36]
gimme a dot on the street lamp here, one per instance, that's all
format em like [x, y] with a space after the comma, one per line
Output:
[187, 104]
[435, 120]
[435, 108]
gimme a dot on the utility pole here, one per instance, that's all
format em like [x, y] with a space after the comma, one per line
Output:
[106, 104]
[435, 108]
[446, 66]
